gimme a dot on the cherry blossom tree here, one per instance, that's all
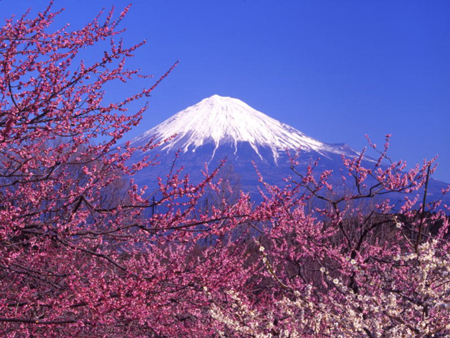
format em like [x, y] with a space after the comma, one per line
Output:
[78, 256]
[342, 270]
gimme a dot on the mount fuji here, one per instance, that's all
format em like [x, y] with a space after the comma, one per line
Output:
[219, 122]
[220, 128]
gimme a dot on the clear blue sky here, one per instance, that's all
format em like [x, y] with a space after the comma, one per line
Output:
[335, 69]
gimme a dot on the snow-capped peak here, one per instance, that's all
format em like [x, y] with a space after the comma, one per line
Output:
[223, 120]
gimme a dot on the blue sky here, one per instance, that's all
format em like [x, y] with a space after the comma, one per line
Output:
[335, 70]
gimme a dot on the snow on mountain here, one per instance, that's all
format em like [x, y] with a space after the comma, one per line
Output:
[221, 120]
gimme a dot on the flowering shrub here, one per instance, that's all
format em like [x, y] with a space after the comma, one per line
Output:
[410, 300]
